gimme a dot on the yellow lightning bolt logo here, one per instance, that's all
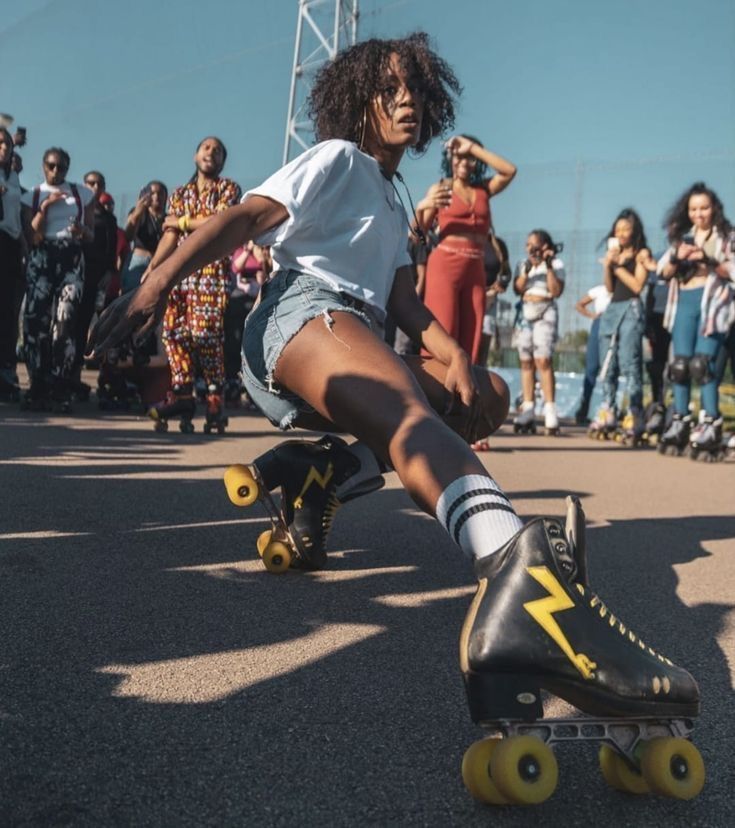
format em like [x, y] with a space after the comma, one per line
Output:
[542, 611]
[313, 477]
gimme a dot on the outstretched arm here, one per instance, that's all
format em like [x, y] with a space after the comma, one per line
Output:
[139, 311]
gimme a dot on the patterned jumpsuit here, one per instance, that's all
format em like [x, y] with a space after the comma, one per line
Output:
[193, 325]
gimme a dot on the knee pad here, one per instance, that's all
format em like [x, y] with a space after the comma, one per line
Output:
[699, 369]
[679, 370]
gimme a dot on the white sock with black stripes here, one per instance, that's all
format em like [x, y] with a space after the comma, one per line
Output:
[477, 515]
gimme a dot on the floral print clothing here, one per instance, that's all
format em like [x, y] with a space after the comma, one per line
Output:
[193, 325]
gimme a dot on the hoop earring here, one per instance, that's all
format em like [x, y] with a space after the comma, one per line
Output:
[363, 126]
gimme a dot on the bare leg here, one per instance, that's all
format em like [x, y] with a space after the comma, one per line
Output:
[528, 380]
[352, 379]
[546, 375]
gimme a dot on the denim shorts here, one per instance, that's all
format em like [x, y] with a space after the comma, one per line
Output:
[287, 303]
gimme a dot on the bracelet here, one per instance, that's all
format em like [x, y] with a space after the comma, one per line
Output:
[184, 223]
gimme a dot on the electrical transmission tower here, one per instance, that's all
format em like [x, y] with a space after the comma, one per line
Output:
[324, 27]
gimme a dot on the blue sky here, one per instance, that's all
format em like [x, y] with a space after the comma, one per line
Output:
[601, 105]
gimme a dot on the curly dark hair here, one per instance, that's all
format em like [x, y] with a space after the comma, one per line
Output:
[677, 221]
[344, 88]
[639, 235]
[478, 174]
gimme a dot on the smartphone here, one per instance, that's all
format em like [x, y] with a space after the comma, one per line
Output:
[613, 244]
[688, 239]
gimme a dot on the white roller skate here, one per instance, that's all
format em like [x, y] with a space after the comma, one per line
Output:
[524, 422]
[551, 420]
[705, 441]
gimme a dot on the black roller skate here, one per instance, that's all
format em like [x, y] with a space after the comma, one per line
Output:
[61, 395]
[216, 421]
[315, 480]
[37, 397]
[180, 403]
[535, 625]
[525, 420]
[9, 388]
[675, 440]
[655, 417]
[705, 442]
[79, 390]
[233, 392]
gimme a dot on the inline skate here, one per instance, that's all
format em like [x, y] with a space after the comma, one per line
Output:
[216, 421]
[179, 402]
[675, 440]
[705, 441]
[525, 420]
[605, 423]
[535, 624]
[551, 420]
[315, 479]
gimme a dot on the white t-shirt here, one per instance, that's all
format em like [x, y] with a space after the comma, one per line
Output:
[345, 222]
[10, 222]
[61, 213]
[600, 296]
[536, 284]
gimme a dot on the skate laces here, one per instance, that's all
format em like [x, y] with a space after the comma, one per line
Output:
[595, 602]
[330, 511]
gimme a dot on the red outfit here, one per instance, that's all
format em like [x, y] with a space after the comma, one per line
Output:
[455, 273]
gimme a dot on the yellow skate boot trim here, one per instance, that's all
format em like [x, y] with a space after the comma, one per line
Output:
[313, 476]
[542, 611]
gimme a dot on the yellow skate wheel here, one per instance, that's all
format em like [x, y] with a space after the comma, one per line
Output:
[264, 538]
[476, 772]
[673, 767]
[241, 486]
[628, 780]
[524, 770]
[609, 767]
[277, 557]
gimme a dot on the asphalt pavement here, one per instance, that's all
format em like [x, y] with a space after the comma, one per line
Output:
[153, 673]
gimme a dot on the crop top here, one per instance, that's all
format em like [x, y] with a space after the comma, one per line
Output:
[458, 217]
[621, 291]
[148, 232]
[345, 224]
[536, 284]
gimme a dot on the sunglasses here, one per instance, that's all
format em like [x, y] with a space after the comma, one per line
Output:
[93, 182]
[53, 166]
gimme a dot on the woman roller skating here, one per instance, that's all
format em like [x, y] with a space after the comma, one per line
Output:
[338, 235]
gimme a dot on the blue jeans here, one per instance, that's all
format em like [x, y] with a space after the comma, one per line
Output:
[132, 272]
[687, 339]
[591, 366]
[621, 334]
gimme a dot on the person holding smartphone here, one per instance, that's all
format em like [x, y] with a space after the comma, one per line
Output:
[143, 229]
[700, 268]
[539, 281]
[625, 271]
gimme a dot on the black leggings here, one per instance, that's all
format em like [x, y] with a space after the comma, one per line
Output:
[11, 279]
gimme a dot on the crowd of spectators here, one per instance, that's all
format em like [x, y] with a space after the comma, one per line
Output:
[63, 258]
